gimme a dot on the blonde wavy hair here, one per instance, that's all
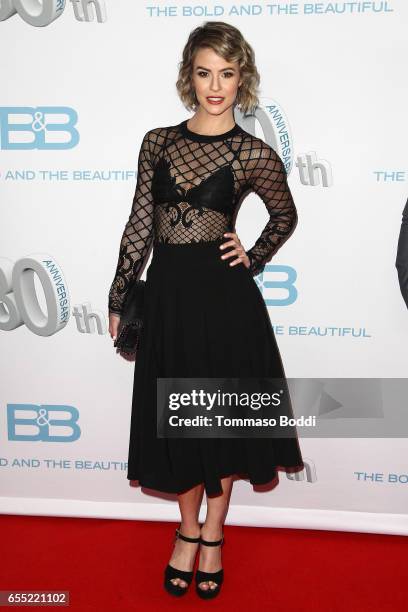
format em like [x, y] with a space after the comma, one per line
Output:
[228, 42]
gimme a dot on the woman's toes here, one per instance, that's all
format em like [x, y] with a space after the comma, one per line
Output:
[203, 586]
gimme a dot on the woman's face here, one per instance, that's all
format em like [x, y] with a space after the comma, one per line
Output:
[215, 81]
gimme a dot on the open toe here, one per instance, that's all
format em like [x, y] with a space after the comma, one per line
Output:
[171, 573]
[213, 580]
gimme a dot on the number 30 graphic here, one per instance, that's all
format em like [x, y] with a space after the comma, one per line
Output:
[33, 12]
[18, 296]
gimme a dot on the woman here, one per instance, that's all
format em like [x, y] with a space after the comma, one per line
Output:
[204, 314]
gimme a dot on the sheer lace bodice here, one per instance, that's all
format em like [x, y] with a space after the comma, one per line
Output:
[188, 189]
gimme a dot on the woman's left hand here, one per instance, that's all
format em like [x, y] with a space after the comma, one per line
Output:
[239, 250]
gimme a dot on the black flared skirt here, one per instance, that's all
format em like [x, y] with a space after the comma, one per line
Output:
[203, 318]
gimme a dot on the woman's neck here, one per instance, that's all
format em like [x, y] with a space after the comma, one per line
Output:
[210, 125]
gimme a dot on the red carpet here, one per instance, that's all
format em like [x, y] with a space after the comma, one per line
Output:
[118, 565]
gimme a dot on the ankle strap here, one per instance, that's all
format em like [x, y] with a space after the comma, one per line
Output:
[185, 538]
[215, 543]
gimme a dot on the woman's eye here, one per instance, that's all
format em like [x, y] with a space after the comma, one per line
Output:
[202, 73]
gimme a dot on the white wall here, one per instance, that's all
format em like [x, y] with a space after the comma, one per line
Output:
[333, 85]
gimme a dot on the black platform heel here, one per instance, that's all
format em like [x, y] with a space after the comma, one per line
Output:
[217, 577]
[171, 572]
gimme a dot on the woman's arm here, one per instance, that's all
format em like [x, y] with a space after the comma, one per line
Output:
[268, 178]
[138, 232]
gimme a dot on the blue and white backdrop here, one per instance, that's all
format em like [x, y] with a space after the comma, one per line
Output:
[81, 82]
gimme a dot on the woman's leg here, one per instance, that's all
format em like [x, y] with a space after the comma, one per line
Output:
[185, 552]
[212, 529]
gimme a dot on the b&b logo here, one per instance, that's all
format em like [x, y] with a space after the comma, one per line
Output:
[287, 284]
[32, 423]
[40, 127]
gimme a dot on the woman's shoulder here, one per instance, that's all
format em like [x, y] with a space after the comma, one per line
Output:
[255, 142]
[255, 149]
[157, 137]
[161, 131]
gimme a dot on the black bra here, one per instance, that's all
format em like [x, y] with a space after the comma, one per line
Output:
[216, 192]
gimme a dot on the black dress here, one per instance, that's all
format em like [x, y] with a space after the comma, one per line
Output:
[203, 318]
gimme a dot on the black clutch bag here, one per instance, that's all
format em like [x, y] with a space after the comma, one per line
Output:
[131, 319]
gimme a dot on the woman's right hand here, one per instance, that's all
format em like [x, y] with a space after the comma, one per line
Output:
[114, 320]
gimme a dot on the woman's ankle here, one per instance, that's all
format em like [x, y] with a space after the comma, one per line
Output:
[212, 531]
[190, 529]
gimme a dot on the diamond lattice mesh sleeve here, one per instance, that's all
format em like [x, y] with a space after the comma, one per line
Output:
[268, 178]
[138, 233]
